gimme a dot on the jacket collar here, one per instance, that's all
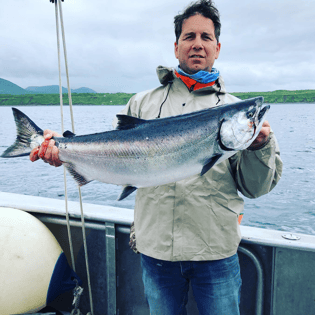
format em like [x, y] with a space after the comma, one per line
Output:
[192, 84]
[166, 74]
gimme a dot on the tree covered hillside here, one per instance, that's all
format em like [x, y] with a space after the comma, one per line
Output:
[77, 99]
[12, 94]
[282, 96]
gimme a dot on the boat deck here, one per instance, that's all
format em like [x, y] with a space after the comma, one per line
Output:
[277, 267]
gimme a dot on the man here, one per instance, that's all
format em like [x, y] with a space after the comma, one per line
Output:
[188, 231]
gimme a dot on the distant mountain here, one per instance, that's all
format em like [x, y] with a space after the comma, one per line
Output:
[49, 89]
[7, 87]
[54, 89]
[83, 90]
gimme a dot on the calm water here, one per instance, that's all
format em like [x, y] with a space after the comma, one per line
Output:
[290, 206]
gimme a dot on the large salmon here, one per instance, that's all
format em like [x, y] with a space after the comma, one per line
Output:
[144, 153]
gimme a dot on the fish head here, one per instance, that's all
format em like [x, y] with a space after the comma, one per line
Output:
[242, 124]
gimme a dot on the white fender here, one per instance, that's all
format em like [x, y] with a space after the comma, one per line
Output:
[28, 257]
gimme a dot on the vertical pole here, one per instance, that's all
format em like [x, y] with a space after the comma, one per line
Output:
[111, 267]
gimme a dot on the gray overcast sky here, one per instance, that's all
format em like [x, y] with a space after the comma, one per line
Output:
[115, 46]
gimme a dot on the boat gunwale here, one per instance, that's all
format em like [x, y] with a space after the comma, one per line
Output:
[48, 210]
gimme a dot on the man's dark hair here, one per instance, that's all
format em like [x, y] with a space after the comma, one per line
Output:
[203, 7]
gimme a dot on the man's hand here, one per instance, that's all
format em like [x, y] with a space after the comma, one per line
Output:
[262, 137]
[48, 152]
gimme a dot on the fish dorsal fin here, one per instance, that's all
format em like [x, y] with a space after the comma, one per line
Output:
[68, 134]
[126, 192]
[210, 163]
[128, 122]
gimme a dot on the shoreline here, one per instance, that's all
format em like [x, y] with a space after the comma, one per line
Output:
[273, 97]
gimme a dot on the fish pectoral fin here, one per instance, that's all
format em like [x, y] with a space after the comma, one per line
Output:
[126, 192]
[128, 122]
[80, 179]
[210, 163]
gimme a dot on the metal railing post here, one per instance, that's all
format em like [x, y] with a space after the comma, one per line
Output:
[260, 279]
[110, 267]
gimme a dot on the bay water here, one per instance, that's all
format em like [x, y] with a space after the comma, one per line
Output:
[290, 206]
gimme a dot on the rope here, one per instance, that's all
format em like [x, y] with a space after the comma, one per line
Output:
[78, 290]
[170, 85]
[62, 129]
[66, 66]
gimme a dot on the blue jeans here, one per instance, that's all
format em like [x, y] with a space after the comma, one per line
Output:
[216, 285]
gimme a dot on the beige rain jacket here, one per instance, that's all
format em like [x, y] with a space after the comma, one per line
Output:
[197, 218]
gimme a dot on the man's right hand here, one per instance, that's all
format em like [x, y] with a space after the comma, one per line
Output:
[48, 153]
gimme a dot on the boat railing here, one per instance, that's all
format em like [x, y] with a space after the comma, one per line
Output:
[276, 266]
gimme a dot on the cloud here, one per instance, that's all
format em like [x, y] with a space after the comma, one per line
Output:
[116, 45]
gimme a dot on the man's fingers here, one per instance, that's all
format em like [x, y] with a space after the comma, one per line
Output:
[55, 157]
[43, 148]
[262, 137]
[34, 155]
[266, 124]
[264, 133]
[48, 134]
[48, 152]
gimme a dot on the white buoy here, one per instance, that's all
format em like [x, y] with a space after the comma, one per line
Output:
[33, 267]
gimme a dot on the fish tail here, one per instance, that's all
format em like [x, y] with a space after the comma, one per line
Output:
[28, 136]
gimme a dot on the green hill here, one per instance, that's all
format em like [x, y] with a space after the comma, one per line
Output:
[77, 99]
[281, 96]
[54, 89]
[7, 87]
[12, 94]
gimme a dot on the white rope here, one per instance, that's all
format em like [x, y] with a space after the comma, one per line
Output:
[66, 65]
[72, 121]
[62, 129]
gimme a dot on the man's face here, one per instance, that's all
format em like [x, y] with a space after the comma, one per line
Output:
[197, 47]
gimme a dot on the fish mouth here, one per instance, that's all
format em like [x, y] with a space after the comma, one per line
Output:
[257, 121]
[262, 112]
